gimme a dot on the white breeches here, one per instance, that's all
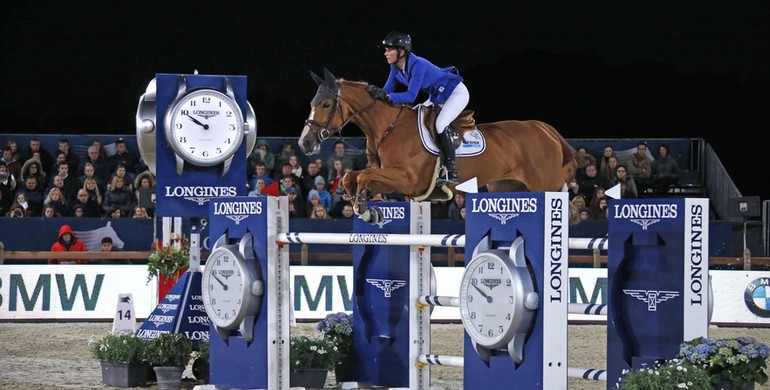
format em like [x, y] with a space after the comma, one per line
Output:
[452, 107]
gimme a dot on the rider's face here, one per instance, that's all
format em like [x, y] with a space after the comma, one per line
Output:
[391, 54]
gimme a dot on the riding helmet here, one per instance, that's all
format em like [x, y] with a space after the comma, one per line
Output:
[397, 39]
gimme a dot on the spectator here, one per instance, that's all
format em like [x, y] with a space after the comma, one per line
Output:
[313, 199]
[102, 150]
[583, 158]
[599, 211]
[603, 163]
[56, 200]
[308, 178]
[101, 169]
[339, 154]
[15, 152]
[77, 211]
[286, 171]
[21, 202]
[287, 150]
[13, 165]
[6, 200]
[289, 182]
[338, 204]
[296, 204]
[94, 192]
[122, 156]
[50, 212]
[326, 197]
[69, 157]
[33, 167]
[594, 202]
[260, 172]
[33, 196]
[296, 167]
[141, 213]
[627, 184]
[61, 158]
[258, 187]
[68, 242]
[665, 172]
[118, 196]
[577, 203]
[89, 172]
[71, 184]
[321, 168]
[262, 154]
[17, 212]
[584, 214]
[108, 246]
[145, 191]
[462, 212]
[319, 212]
[336, 174]
[590, 182]
[128, 177]
[45, 158]
[90, 207]
[115, 212]
[347, 211]
[639, 167]
[455, 205]
[612, 166]
[7, 183]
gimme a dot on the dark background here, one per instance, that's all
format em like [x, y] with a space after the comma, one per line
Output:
[599, 69]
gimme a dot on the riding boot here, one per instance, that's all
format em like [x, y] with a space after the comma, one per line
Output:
[448, 151]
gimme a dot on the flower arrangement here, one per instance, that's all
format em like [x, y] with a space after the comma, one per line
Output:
[118, 348]
[168, 260]
[739, 361]
[313, 352]
[168, 349]
[338, 328]
[670, 375]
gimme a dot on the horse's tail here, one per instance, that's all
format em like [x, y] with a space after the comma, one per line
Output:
[568, 154]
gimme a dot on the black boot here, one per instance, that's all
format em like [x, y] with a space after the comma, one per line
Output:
[446, 144]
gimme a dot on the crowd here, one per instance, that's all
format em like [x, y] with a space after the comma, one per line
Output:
[36, 183]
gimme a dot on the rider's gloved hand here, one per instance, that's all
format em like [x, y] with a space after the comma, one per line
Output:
[379, 93]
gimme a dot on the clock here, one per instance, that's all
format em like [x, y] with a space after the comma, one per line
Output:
[497, 299]
[232, 287]
[204, 127]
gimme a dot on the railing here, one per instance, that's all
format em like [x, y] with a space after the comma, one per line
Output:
[452, 258]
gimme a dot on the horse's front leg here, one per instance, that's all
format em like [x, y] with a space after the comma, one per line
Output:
[379, 180]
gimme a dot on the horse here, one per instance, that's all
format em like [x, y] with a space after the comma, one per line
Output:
[519, 156]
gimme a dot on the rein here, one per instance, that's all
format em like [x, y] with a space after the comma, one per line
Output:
[374, 154]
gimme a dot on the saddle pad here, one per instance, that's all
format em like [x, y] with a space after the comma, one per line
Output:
[473, 143]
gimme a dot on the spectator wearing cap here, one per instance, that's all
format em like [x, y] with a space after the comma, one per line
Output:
[326, 197]
[296, 205]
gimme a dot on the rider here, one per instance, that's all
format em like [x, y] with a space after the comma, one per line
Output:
[444, 87]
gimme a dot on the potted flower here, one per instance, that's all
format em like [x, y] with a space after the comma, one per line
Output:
[736, 363]
[672, 375]
[311, 360]
[338, 328]
[120, 355]
[169, 354]
[167, 262]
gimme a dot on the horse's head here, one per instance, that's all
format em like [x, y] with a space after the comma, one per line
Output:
[323, 109]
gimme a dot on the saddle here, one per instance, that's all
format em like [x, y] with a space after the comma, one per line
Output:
[460, 125]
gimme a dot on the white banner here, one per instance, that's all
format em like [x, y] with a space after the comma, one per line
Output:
[79, 292]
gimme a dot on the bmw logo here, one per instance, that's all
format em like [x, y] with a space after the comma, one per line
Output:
[757, 297]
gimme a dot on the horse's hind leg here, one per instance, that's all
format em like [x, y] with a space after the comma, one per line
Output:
[507, 186]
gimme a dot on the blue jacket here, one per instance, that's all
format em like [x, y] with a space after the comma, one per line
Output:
[421, 75]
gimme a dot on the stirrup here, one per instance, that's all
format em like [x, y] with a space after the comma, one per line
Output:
[444, 179]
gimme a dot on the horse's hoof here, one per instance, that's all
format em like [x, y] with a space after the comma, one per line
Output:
[376, 215]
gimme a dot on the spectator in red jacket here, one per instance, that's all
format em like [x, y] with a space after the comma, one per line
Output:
[67, 242]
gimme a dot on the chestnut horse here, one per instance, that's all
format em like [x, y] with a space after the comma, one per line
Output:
[519, 156]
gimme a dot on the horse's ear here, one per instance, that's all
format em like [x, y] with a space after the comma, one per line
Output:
[318, 80]
[329, 77]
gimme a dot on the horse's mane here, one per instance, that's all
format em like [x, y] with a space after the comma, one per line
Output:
[357, 84]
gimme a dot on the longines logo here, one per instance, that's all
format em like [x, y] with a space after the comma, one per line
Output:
[503, 209]
[644, 223]
[387, 285]
[491, 283]
[226, 273]
[391, 213]
[206, 113]
[199, 194]
[651, 297]
[237, 211]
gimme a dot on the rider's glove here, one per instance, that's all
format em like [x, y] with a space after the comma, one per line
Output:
[379, 93]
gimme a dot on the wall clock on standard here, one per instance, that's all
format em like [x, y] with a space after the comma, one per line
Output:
[497, 299]
[205, 127]
[232, 287]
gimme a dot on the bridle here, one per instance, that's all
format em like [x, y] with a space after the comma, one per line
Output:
[324, 132]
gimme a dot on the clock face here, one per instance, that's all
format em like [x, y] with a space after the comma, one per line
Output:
[487, 300]
[225, 285]
[205, 127]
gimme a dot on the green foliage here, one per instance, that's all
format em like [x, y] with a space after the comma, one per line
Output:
[168, 349]
[168, 260]
[672, 375]
[308, 352]
[118, 347]
[740, 360]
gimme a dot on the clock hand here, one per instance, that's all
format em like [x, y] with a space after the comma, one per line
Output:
[224, 286]
[483, 294]
[197, 122]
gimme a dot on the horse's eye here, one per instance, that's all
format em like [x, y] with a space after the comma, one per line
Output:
[327, 105]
